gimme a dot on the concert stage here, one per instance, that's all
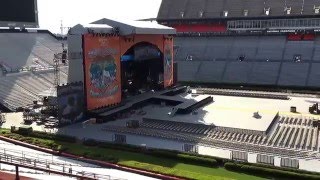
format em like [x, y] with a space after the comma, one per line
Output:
[236, 113]
[115, 60]
[177, 102]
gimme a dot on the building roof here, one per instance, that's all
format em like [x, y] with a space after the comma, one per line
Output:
[123, 27]
[205, 9]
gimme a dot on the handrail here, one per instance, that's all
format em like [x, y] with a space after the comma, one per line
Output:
[27, 160]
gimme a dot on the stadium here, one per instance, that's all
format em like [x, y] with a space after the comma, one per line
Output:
[236, 80]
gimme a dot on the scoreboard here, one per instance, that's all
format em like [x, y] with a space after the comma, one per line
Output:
[19, 13]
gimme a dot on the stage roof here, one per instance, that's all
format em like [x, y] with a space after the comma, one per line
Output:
[93, 28]
[136, 27]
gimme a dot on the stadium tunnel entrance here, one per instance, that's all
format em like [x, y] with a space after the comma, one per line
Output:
[141, 69]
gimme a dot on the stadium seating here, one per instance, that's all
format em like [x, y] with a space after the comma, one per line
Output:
[316, 53]
[269, 60]
[27, 49]
[193, 8]
[294, 74]
[188, 70]
[235, 8]
[213, 8]
[217, 48]
[271, 48]
[255, 48]
[295, 133]
[237, 72]
[287, 132]
[20, 53]
[21, 89]
[285, 138]
[264, 73]
[254, 9]
[244, 45]
[176, 7]
[303, 48]
[210, 71]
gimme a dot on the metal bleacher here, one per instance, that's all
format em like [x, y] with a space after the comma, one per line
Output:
[294, 132]
[211, 71]
[269, 60]
[289, 136]
[235, 8]
[269, 56]
[264, 73]
[21, 89]
[19, 52]
[213, 8]
[303, 48]
[217, 47]
[26, 49]
[244, 45]
[270, 48]
[294, 74]
[188, 71]
[286, 133]
[237, 72]
[255, 48]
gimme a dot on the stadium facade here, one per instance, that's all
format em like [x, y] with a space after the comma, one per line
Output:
[245, 42]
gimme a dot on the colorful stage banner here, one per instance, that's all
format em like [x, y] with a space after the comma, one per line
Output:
[102, 70]
[168, 62]
[70, 103]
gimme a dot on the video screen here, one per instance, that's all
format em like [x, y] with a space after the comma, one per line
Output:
[18, 11]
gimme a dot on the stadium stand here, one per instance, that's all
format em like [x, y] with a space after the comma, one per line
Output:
[264, 73]
[190, 69]
[287, 135]
[268, 60]
[255, 48]
[235, 8]
[210, 71]
[26, 59]
[21, 89]
[35, 49]
[245, 42]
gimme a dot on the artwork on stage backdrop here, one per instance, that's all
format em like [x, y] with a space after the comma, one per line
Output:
[70, 103]
[168, 63]
[103, 78]
[102, 71]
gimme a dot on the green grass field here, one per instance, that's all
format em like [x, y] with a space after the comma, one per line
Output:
[142, 161]
[161, 165]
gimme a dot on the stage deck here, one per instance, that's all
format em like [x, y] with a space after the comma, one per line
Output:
[229, 111]
[191, 101]
[236, 112]
[144, 97]
[217, 114]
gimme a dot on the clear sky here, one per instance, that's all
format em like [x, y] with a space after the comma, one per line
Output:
[72, 12]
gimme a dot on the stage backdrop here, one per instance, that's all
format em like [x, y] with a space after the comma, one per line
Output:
[168, 62]
[102, 70]
[70, 103]
[165, 45]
